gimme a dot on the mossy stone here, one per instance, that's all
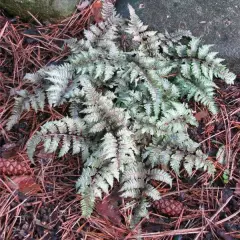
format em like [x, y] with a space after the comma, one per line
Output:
[51, 10]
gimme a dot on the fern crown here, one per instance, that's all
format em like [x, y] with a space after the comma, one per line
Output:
[124, 86]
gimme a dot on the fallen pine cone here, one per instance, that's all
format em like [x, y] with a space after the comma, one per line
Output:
[169, 207]
[11, 167]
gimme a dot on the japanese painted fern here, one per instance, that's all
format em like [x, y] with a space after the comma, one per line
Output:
[124, 85]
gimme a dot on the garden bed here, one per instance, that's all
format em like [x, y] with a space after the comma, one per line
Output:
[47, 206]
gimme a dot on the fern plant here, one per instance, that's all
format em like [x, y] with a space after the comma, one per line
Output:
[126, 117]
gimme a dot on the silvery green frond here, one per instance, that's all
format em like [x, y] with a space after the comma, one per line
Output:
[87, 203]
[85, 180]
[100, 108]
[39, 76]
[225, 74]
[152, 192]
[76, 46]
[203, 51]
[182, 141]
[37, 101]
[197, 61]
[135, 171]
[193, 46]
[189, 164]
[135, 25]
[132, 184]
[34, 77]
[134, 193]
[66, 144]
[147, 125]
[201, 91]
[109, 146]
[176, 160]
[175, 119]
[98, 127]
[101, 183]
[104, 31]
[67, 131]
[108, 10]
[200, 159]
[157, 155]
[160, 175]
[60, 87]
[179, 35]
[126, 142]
[209, 167]
[23, 102]
[150, 45]
[140, 212]
[169, 39]
[133, 180]
[32, 144]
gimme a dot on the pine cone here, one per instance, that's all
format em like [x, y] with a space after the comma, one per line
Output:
[169, 207]
[11, 167]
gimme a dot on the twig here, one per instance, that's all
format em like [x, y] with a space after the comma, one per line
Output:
[212, 218]
[227, 218]
[34, 18]
[171, 233]
[3, 29]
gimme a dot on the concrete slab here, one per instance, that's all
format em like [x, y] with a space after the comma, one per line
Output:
[218, 21]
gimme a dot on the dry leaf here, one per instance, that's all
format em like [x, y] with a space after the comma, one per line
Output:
[24, 184]
[201, 115]
[9, 150]
[108, 209]
[96, 11]
[209, 129]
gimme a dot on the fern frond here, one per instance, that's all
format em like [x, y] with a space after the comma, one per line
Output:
[141, 211]
[67, 131]
[152, 192]
[87, 203]
[25, 101]
[175, 119]
[160, 175]
[189, 164]
[157, 155]
[135, 26]
[108, 10]
[176, 160]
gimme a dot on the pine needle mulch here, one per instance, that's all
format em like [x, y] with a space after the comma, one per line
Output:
[43, 204]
